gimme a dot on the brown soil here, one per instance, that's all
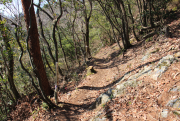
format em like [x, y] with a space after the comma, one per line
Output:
[144, 102]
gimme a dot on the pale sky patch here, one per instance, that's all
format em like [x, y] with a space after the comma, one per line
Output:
[14, 8]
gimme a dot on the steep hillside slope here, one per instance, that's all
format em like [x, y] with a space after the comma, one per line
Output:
[151, 98]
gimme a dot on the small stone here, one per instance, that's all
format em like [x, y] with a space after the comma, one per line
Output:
[164, 113]
[105, 98]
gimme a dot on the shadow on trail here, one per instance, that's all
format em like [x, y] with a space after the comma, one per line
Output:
[68, 111]
[105, 62]
[71, 112]
[117, 81]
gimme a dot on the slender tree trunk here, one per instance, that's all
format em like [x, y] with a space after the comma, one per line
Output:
[88, 53]
[10, 66]
[117, 27]
[55, 22]
[64, 54]
[87, 19]
[51, 9]
[34, 47]
[73, 35]
[47, 62]
[116, 39]
[144, 13]
[139, 8]
[81, 48]
[125, 25]
[46, 42]
[150, 12]
[6, 90]
[132, 19]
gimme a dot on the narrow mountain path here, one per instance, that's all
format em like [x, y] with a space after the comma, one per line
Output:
[110, 66]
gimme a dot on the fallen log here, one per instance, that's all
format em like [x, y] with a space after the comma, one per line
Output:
[149, 35]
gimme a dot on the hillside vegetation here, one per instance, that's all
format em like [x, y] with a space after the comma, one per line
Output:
[90, 60]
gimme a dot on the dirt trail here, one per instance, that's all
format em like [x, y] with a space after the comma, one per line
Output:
[90, 87]
[110, 66]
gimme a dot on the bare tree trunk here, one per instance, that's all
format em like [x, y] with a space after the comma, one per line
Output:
[140, 9]
[118, 28]
[125, 25]
[88, 53]
[10, 64]
[73, 34]
[116, 39]
[55, 22]
[64, 54]
[87, 19]
[150, 12]
[43, 36]
[47, 61]
[43, 97]
[34, 47]
[132, 19]
[144, 13]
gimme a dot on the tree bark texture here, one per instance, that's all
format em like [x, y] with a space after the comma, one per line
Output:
[144, 13]
[34, 47]
[87, 19]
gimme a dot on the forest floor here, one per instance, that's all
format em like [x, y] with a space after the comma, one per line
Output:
[150, 96]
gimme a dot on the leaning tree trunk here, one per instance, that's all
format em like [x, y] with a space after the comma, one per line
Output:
[34, 47]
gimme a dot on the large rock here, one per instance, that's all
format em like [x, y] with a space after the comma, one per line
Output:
[104, 98]
[174, 103]
[121, 87]
[101, 100]
[162, 66]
